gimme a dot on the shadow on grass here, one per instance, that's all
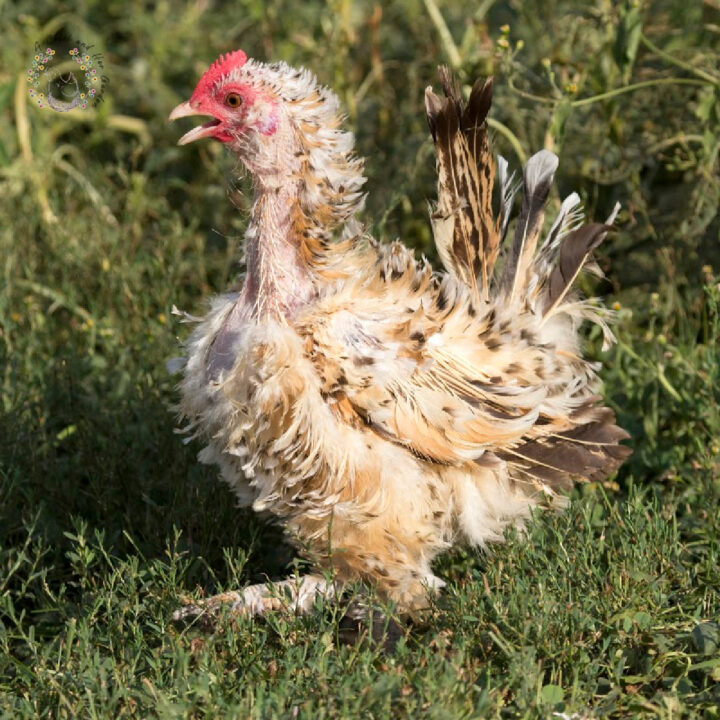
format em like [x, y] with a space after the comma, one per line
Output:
[95, 449]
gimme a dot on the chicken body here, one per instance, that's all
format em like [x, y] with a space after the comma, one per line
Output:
[380, 411]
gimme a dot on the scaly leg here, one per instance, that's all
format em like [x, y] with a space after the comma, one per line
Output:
[296, 593]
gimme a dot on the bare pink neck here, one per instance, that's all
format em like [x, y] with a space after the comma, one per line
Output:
[277, 281]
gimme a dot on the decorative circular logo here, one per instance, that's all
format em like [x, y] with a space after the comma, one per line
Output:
[63, 81]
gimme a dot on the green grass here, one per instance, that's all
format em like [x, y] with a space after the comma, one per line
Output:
[611, 609]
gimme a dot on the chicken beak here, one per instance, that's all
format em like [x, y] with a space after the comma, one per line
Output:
[207, 129]
[182, 110]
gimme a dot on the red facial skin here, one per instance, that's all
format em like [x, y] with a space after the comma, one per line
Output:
[213, 102]
[256, 110]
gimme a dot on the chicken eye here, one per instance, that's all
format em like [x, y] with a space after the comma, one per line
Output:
[233, 100]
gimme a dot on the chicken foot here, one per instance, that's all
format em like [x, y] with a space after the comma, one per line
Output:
[296, 593]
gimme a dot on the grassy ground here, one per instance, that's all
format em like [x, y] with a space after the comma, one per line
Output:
[106, 521]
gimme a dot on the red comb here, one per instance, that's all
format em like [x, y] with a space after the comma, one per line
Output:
[222, 66]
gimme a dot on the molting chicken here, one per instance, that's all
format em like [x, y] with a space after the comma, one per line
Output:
[382, 411]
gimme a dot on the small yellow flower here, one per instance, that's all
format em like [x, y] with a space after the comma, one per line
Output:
[105, 264]
[503, 42]
[87, 57]
[571, 88]
[82, 95]
[616, 306]
[162, 319]
[82, 67]
[707, 269]
[505, 29]
[15, 317]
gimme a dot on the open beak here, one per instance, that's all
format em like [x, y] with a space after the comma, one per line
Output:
[207, 129]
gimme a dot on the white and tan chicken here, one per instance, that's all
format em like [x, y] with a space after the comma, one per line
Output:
[380, 411]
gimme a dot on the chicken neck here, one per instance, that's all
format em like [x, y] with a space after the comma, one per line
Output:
[277, 280]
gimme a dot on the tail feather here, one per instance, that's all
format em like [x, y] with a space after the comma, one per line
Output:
[508, 190]
[574, 252]
[537, 276]
[569, 218]
[537, 180]
[590, 451]
[466, 233]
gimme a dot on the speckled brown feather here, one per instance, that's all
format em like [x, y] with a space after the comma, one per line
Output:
[466, 234]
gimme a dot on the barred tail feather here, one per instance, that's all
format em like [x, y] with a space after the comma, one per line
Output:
[466, 234]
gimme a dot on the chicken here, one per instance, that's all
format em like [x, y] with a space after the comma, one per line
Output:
[380, 411]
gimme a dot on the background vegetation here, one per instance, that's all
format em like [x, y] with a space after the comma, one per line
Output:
[106, 520]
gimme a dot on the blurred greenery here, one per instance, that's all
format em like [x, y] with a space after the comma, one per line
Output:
[106, 519]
